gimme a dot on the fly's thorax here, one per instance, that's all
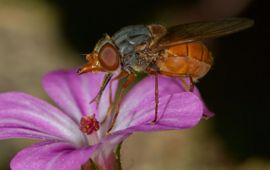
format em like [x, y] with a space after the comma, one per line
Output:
[127, 38]
[141, 60]
[129, 41]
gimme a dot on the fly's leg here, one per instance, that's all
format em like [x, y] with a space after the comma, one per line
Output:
[105, 82]
[156, 98]
[187, 86]
[130, 79]
[191, 84]
[120, 76]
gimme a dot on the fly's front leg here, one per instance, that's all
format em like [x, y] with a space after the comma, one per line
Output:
[105, 82]
[130, 79]
[120, 76]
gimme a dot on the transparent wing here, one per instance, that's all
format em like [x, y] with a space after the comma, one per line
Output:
[197, 31]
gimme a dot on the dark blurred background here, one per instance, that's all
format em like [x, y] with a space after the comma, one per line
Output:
[52, 34]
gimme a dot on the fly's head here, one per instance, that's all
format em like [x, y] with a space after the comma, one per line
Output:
[104, 58]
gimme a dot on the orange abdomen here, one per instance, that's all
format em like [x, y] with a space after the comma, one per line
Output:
[189, 59]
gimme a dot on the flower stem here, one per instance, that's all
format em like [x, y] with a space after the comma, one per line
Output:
[93, 166]
[118, 156]
[90, 165]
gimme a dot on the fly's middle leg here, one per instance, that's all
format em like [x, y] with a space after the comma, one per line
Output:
[129, 81]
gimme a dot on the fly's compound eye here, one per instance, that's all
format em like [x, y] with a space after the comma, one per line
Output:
[109, 57]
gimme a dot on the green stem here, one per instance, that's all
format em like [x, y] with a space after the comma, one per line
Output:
[118, 156]
[90, 165]
[93, 166]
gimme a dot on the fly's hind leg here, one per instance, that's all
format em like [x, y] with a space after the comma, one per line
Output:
[130, 79]
[188, 86]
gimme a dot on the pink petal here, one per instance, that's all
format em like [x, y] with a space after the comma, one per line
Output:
[167, 85]
[24, 116]
[51, 156]
[206, 112]
[177, 109]
[73, 92]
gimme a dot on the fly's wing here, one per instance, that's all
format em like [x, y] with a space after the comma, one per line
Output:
[197, 31]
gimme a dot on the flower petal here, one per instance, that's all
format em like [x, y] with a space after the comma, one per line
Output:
[25, 116]
[177, 109]
[166, 86]
[51, 156]
[145, 90]
[73, 92]
[206, 112]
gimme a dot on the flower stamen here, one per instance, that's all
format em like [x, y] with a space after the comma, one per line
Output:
[89, 124]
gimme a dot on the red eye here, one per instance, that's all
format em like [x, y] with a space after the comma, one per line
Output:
[109, 57]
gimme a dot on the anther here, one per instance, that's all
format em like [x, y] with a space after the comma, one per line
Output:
[89, 124]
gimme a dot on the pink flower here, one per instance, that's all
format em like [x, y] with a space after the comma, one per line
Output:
[62, 143]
